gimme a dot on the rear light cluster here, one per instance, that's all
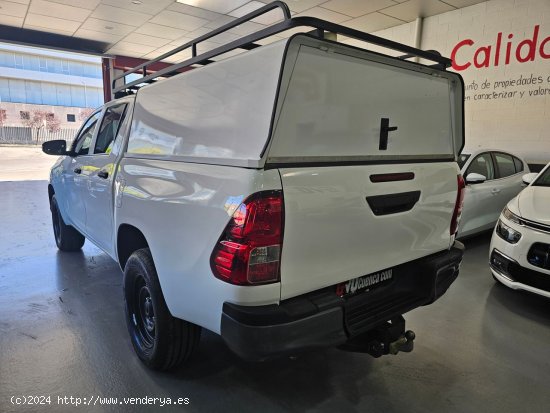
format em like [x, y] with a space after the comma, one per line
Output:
[249, 250]
[458, 204]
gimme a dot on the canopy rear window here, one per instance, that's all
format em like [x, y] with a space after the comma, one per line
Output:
[335, 104]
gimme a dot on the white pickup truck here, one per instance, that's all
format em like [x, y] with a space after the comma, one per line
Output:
[300, 194]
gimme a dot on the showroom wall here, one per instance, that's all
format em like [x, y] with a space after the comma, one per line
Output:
[502, 50]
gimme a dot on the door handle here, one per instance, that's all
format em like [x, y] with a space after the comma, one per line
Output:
[103, 174]
[495, 191]
[78, 170]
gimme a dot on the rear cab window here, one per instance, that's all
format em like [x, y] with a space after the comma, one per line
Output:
[336, 104]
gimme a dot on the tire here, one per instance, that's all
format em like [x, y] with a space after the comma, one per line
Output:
[66, 236]
[161, 341]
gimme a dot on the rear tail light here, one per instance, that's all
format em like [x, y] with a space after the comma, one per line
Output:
[458, 204]
[249, 250]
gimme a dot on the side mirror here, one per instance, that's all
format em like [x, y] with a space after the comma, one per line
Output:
[55, 147]
[474, 178]
[528, 178]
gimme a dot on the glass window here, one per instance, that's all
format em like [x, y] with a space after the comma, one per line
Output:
[321, 103]
[5, 90]
[54, 65]
[519, 164]
[43, 64]
[462, 159]
[543, 179]
[109, 128]
[17, 90]
[18, 61]
[77, 97]
[483, 165]
[71, 117]
[34, 92]
[63, 95]
[96, 97]
[84, 140]
[23, 114]
[505, 164]
[6, 59]
[75, 68]
[31, 62]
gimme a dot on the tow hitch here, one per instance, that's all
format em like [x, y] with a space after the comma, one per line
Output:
[387, 338]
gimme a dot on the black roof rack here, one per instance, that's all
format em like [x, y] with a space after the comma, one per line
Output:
[248, 43]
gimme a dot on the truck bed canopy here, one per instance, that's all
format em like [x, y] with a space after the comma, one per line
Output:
[302, 99]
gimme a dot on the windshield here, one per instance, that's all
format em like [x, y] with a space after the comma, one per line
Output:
[543, 179]
[462, 159]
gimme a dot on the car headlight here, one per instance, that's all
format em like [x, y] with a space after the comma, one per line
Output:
[507, 233]
[511, 216]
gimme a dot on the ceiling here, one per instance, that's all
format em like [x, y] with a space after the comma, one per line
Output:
[149, 28]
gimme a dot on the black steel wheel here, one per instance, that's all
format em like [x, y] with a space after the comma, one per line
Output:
[160, 340]
[67, 238]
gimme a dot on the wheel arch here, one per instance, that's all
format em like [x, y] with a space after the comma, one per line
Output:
[129, 239]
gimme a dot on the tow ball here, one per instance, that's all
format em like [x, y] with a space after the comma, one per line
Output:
[387, 338]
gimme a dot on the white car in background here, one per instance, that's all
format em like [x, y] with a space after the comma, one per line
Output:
[492, 178]
[520, 247]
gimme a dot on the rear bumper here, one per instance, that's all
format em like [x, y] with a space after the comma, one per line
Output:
[323, 319]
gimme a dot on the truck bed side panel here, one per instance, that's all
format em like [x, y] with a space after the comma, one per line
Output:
[182, 209]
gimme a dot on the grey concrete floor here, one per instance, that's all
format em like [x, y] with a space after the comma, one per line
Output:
[22, 163]
[481, 348]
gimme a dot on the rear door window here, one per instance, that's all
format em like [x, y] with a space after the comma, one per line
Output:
[483, 165]
[505, 164]
[519, 164]
[462, 159]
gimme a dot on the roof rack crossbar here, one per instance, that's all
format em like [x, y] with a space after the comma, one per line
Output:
[248, 43]
[193, 43]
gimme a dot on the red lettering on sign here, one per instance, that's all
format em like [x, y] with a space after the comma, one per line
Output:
[456, 66]
[527, 50]
[531, 45]
[542, 53]
[486, 57]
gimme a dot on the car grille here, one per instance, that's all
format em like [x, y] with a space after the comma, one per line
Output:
[529, 277]
[539, 255]
[534, 225]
